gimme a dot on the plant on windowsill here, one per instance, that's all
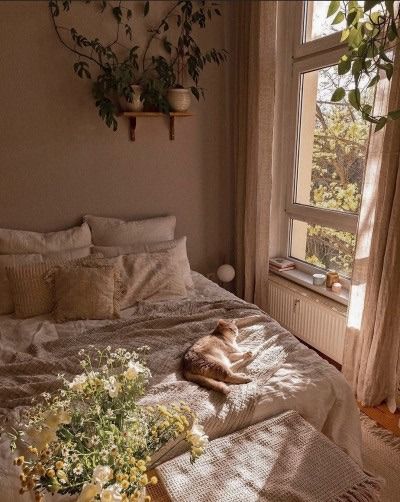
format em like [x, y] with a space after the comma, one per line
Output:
[371, 34]
[120, 79]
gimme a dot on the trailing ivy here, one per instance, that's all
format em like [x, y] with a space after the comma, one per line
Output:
[371, 34]
[113, 75]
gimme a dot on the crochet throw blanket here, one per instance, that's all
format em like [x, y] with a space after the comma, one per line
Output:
[283, 459]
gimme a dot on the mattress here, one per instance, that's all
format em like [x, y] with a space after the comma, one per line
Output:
[303, 381]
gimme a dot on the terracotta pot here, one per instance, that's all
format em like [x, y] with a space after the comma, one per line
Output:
[179, 99]
[136, 105]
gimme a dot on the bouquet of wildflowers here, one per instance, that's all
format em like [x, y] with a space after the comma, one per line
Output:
[92, 438]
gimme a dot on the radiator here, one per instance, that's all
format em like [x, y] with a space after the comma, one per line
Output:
[312, 321]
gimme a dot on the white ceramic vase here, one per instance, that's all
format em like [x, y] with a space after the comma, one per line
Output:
[136, 105]
[179, 99]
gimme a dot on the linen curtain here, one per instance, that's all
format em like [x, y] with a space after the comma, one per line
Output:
[371, 358]
[255, 47]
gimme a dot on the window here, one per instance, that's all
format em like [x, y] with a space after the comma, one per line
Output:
[327, 151]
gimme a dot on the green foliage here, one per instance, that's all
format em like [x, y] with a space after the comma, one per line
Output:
[371, 33]
[112, 74]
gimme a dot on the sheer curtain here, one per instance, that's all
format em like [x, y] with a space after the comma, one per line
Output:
[255, 47]
[371, 358]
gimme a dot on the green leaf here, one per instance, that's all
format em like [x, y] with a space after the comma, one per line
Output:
[354, 98]
[344, 66]
[380, 124]
[338, 18]
[146, 8]
[195, 92]
[357, 68]
[394, 115]
[369, 4]
[333, 7]
[117, 13]
[345, 34]
[81, 69]
[351, 17]
[374, 80]
[338, 95]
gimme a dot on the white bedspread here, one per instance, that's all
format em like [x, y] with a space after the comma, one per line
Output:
[303, 382]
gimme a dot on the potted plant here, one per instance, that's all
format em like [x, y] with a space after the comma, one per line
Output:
[185, 60]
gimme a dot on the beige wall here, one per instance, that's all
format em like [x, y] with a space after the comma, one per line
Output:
[58, 160]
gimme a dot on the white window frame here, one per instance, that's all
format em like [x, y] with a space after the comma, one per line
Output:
[304, 57]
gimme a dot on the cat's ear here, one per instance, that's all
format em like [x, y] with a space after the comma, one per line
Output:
[223, 323]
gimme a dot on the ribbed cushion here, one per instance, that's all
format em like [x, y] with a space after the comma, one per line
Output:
[6, 302]
[116, 232]
[21, 241]
[86, 292]
[32, 289]
[178, 247]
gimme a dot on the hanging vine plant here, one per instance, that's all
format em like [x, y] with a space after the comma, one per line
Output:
[371, 32]
[113, 74]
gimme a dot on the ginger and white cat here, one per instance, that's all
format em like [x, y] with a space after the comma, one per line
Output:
[211, 360]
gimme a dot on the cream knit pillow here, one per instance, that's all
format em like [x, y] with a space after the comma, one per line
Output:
[12, 260]
[86, 292]
[32, 289]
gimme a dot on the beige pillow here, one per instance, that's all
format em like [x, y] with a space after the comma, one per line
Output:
[32, 290]
[148, 276]
[21, 241]
[178, 252]
[6, 302]
[116, 232]
[86, 292]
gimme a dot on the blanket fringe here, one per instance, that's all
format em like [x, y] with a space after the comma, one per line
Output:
[383, 434]
[367, 491]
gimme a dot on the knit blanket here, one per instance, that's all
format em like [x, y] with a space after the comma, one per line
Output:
[283, 459]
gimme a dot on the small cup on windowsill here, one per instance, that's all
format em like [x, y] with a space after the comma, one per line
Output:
[336, 288]
[319, 279]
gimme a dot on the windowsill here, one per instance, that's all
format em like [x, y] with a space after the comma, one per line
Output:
[304, 279]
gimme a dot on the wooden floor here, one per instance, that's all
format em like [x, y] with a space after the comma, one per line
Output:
[383, 417]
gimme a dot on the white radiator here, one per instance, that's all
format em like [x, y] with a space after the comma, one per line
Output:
[312, 321]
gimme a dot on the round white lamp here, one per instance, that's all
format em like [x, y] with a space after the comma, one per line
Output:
[226, 273]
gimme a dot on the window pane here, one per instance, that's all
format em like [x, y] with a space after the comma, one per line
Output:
[323, 247]
[333, 140]
[317, 25]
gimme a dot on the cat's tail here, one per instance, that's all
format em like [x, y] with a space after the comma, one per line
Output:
[208, 383]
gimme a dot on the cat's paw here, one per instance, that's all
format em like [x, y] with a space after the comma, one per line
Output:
[248, 355]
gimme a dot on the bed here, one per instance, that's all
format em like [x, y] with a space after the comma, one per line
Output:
[286, 374]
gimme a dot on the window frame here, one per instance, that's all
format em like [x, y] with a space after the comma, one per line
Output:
[305, 57]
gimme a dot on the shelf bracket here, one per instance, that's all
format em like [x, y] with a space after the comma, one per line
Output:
[132, 123]
[171, 127]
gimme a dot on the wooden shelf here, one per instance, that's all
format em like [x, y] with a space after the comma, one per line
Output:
[132, 116]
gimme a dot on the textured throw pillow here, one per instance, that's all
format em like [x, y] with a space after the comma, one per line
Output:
[6, 302]
[115, 232]
[148, 276]
[32, 290]
[21, 241]
[86, 292]
[178, 247]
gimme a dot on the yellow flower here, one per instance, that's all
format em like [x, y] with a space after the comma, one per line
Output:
[59, 464]
[33, 450]
[20, 460]
[147, 498]
[125, 484]
[144, 480]
[153, 480]
[50, 473]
